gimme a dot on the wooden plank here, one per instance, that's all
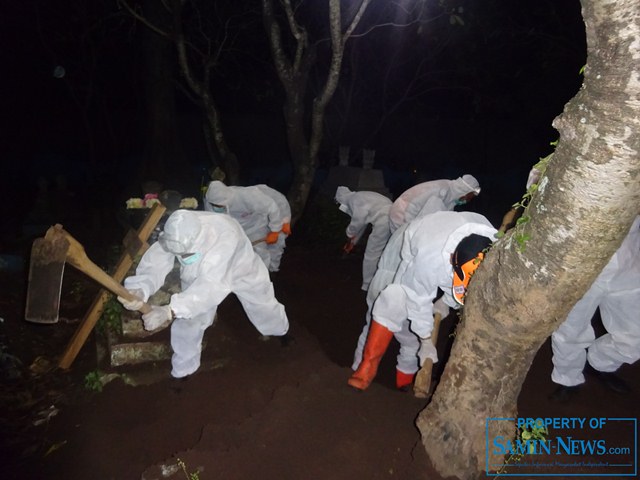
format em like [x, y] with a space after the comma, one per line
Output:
[422, 384]
[122, 267]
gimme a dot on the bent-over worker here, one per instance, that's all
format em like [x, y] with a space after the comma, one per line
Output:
[366, 208]
[216, 259]
[263, 213]
[432, 196]
[439, 251]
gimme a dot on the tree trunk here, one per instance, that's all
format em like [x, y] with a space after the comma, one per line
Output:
[293, 74]
[579, 216]
[214, 136]
[162, 148]
[304, 166]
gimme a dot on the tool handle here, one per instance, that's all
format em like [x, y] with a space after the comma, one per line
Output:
[77, 257]
[422, 384]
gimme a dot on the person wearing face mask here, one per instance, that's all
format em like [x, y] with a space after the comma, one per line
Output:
[438, 251]
[430, 197]
[263, 213]
[216, 258]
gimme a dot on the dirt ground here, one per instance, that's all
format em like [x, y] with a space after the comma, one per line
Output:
[255, 409]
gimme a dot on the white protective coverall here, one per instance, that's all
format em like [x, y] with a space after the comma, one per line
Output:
[407, 360]
[260, 210]
[430, 197]
[425, 266]
[366, 208]
[616, 291]
[227, 264]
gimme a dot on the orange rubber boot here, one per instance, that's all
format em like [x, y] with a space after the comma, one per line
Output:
[377, 343]
[404, 380]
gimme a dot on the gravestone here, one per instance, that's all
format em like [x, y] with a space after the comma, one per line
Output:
[364, 178]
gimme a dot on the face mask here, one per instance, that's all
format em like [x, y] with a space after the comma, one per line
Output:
[460, 202]
[190, 260]
[218, 209]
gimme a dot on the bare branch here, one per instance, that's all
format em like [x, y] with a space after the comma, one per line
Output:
[356, 19]
[283, 67]
[143, 20]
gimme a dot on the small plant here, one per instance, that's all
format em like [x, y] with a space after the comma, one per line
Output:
[187, 475]
[93, 381]
[328, 225]
[534, 432]
[529, 434]
[521, 237]
[77, 291]
[111, 318]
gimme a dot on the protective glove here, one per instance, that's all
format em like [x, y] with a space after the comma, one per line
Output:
[157, 317]
[348, 247]
[133, 305]
[272, 237]
[286, 229]
[427, 350]
[442, 308]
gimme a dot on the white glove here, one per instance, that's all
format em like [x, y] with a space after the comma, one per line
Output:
[427, 350]
[133, 305]
[158, 317]
[442, 308]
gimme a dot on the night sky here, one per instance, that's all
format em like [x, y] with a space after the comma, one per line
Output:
[467, 87]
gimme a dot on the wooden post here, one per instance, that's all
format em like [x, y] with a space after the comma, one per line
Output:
[422, 384]
[122, 267]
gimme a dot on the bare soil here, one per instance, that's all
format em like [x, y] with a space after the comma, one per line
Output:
[255, 409]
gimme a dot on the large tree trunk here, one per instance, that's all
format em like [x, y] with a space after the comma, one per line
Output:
[214, 135]
[293, 73]
[162, 148]
[578, 218]
[304, 165]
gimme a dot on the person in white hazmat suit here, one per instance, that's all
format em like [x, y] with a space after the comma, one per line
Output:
[430, 197]
[406, 362]
[439, 251]
[216, 259]
[616, 292]
[365, 208]
[263, 213]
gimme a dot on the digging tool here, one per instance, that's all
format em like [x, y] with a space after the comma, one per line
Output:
[48, 257]
[510, 218]
[422, 384]
[123, 265]
[43, 295]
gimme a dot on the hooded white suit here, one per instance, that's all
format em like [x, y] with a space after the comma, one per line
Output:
[406, 304]
[616, 291]
[430, 197]
[366, 208]
[259, 209]
[226, 264]
[387, 267]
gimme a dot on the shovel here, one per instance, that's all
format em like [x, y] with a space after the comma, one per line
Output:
[48, 257]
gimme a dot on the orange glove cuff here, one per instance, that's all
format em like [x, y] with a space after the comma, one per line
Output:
[286, 229]
[272, 237]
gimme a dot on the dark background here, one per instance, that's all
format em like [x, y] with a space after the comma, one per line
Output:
[435, 99]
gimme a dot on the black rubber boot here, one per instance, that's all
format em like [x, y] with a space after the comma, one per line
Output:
[286, 340]
[609, 379]
[562, 394]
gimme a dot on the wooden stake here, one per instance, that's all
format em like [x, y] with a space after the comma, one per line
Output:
[122, 267]
[422, 384]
